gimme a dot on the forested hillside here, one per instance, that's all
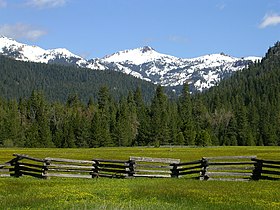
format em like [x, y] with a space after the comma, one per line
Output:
[242, 110]
[18, 80]
[245, 109]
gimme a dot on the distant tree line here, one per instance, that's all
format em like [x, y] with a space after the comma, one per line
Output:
[34, 122]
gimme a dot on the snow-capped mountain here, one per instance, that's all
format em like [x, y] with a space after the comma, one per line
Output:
[201, 72]
[145, 63]
[23, 52]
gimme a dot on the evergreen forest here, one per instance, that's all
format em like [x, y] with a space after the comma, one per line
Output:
[18, 80]
[243, 110]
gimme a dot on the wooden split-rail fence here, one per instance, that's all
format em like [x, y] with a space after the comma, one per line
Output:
[236, 168]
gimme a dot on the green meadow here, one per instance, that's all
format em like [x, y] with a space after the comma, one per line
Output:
[143, 193]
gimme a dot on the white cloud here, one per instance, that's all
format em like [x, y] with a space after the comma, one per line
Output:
[41, 4]
[21, 31]
[3, 3]
[221, 6]
[178, 39]
[270, 20]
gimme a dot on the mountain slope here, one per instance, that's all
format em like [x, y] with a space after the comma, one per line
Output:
[144, 63]
[18, 80]
[245, 108]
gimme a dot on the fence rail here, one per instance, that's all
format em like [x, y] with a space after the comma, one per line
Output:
[237, 168]
[113, 168]
[187, 169]
[61, 167]
[153, 167]
[266, 169]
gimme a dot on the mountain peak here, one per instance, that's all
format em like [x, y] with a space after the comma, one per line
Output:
[146, 49]
[4, 37]
[144, 62]
[63, 52]
[135, 56]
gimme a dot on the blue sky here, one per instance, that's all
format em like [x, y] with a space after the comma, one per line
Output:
[183, 28]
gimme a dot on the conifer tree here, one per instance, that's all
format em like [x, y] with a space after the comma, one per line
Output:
[14, 130]
[159, 118]
[185, 111]
[142, 112]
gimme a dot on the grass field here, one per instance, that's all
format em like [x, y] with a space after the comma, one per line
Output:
[102, 193]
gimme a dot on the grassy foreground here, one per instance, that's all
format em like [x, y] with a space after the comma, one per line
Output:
[58, 193]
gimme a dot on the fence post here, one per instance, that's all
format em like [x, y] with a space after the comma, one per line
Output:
[131, 168]
[17, 169]
[16, 165]
[257, 171]
[46, 168]
[95, 169]
[174, 170]
[204, 166]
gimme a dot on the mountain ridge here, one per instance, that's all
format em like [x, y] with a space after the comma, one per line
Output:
[145, 63]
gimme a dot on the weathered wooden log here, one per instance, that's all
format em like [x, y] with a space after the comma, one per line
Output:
[31, 174]
[157, 160]
[112, 170]
[271, 172]
[28, 169]
[189, 172]
[227, 174]
[112, 175]
[5, 175]
[152, 175]
[69, 166]
[68, 170]
[21, 156]
[229, 179]
[270, 166]
[229, 157]
[152, 171]
[187, 163]
[189, 168]
[110, 161]
[68, 160]
[269, 178]
[137, 165]
[230, 163]
[12, 162]
[104, 165]
[69, 175]
[30, 164]
[222, 168]
[276, 162]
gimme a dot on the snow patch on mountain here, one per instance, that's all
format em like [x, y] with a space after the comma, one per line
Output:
[137, 56]
[145, 63]
[25, 52]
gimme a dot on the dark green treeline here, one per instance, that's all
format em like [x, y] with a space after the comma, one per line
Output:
[34, 122]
